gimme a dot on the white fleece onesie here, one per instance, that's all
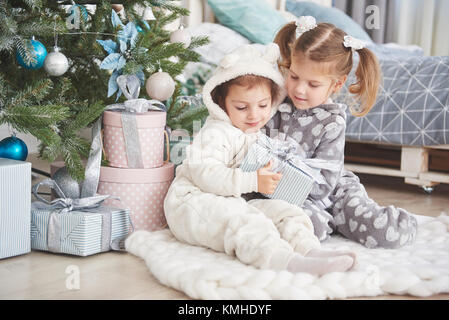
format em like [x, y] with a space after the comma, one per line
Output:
[204, 204]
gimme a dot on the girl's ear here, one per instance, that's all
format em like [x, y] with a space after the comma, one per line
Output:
[339, 84]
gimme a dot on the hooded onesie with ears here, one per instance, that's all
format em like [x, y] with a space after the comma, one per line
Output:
[204, 204]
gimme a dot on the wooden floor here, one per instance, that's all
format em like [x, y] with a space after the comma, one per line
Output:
[113, 275]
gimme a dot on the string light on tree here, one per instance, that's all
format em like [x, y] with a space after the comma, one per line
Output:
[160, 86]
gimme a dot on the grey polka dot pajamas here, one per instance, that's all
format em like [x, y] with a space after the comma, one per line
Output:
[338, 201]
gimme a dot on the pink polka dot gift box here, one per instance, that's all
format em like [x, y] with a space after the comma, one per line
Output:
[150, 134]
[141, 190]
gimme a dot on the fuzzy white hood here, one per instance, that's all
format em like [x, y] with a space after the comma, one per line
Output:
[248, 59]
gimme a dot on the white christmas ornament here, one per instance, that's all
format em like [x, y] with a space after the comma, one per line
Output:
[181, 36]
[56, 63]
[160, 86]
[145, 12]
[148, 14]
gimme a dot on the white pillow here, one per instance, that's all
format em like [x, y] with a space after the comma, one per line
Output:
[222, 41]
[290, 17]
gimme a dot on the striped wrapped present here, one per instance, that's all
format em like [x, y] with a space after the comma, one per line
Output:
[297, 177]
[80, 232]
[15, 200]
[77, 226]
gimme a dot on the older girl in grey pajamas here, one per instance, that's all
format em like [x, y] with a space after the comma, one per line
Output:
[317, 60]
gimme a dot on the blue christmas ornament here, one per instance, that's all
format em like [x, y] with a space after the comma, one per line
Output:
[142, 29]
[38, 52]
[13, 148]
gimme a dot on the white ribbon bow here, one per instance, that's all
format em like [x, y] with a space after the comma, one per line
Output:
[304, 24]
[288, 149]
[353, 43]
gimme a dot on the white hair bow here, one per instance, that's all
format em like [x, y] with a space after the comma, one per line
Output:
[304, 24]
[353, 43]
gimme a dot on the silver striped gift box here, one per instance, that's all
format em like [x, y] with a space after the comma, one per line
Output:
[295, 184]
[15, 200]
[80, 231]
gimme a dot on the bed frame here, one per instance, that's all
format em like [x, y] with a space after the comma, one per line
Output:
[425, 166]
[422, 166]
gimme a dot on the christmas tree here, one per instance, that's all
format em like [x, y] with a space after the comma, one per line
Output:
[54, 95]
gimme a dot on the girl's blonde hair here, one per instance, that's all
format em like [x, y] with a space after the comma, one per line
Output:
[324, 43]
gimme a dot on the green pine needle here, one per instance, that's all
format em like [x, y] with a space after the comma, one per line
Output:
[56, 109]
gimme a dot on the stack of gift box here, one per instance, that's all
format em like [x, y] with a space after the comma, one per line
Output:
[126, 195]
[134, 147]
[141, 190]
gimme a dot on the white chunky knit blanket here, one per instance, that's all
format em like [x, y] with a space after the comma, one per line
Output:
[421, 269]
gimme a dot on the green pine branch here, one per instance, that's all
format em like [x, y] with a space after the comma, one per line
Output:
[187, 118]
[55, 109]
[34, 4]
[85, 118]
[198, 42]
[33, 93]
[26, 118]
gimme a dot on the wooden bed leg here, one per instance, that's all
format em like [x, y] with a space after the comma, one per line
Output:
[415, 161]
[421, 182]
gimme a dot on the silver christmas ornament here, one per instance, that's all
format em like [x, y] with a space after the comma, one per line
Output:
[56, 64]
[182, 36]
[160, 86]
[68, 185]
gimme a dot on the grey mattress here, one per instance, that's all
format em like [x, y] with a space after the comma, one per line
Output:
[413, 103]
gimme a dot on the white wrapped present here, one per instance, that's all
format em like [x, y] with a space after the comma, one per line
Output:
[15, 200]
[297, 177]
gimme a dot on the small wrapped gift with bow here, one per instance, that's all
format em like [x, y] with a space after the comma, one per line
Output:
[77, 226]
[134, 130]
[297, 177]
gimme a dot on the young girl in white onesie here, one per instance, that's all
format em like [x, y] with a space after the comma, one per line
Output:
[204, 204]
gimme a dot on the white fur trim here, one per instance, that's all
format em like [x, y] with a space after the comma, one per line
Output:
[245, 60]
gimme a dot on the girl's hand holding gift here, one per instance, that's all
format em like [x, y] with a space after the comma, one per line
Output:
[267, 180]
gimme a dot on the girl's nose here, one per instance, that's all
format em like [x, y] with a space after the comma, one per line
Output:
[252, 113]
[300, 88]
